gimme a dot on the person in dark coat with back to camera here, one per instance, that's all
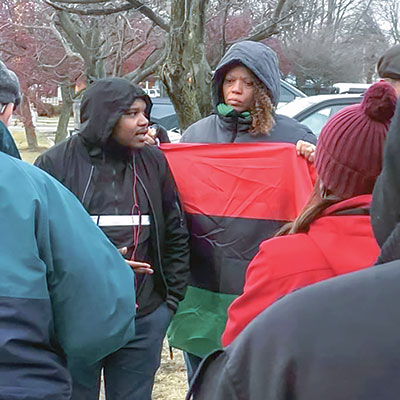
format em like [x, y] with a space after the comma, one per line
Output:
[332, 235]
[66, 294]
[337, 339]
[127, 187]
[246, 90]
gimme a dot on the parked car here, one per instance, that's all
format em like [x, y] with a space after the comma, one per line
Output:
[163, 111]
[314, 111]
[289, 93]
[154, 92]
[351, 88]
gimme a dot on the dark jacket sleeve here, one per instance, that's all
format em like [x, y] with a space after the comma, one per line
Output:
[308, 134]
[176, 245]
[385, 210]
[259, 364]
[213, 381]
[44, 162]
[7, 144]
[162, 134]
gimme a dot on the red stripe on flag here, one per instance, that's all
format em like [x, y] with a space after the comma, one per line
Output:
[249, 180]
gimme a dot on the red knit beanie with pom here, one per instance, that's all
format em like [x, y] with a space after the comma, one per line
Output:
[349, 151]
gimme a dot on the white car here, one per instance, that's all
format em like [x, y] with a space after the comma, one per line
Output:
[314, 111]
[351, 88]
[289, 93]
[152, 92]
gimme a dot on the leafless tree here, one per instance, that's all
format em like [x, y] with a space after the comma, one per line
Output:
[389, 12]
[180, 59]
[333, 41]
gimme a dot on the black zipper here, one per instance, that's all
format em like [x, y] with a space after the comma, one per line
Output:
[235, 133]
[87, 185]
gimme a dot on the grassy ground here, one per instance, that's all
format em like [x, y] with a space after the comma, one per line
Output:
[171, 380]
[28, 155]
[170, 383]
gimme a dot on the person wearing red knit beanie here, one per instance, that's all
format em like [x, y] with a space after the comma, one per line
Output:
[332, 235]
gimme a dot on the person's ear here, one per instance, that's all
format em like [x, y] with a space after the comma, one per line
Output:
[6, 114]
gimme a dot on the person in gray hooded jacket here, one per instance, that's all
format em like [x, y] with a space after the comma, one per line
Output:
[246, 90]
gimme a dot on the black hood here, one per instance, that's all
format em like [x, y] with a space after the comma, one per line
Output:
[259, 59]
[102, 105]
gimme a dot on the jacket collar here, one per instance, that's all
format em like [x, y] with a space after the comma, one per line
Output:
[362, 201]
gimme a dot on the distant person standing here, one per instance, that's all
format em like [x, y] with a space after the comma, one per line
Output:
[66, 294]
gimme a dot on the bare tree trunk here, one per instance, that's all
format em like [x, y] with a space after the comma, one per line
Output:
[186, 72]
[86, 41]
[30, 133]
[65, 114]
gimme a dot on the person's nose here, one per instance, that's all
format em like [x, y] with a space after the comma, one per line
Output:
[143, 121]
[237, 87]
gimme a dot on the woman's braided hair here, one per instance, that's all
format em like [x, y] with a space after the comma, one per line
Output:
[262, 114]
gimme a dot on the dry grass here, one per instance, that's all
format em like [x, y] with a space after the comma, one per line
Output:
[28, 155]
[170, 382]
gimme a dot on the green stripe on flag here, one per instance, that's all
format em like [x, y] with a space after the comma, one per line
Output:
[200, 321]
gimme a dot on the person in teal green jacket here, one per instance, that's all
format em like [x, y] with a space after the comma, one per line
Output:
[66, 294]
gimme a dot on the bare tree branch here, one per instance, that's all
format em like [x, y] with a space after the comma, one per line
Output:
[92, 11]
[150, 14]
[152, 63]
[140, 45]
[31, 26]
[64, 43]
[83, 1]
[131, 4]
[268, 31]
[5, 25]
[55, 65]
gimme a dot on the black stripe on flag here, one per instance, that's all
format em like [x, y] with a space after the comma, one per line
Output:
[222, 247]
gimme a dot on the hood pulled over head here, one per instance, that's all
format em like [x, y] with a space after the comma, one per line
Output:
[9, 86]
[260, 59]
[103, 103]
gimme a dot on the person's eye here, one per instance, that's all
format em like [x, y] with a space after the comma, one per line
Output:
[249, 84]
[228, 80]
[131, 113]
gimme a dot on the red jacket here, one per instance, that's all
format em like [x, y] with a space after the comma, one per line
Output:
[334, 245]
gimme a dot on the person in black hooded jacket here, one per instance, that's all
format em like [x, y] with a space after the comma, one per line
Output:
[127, 188]
[338, 339]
